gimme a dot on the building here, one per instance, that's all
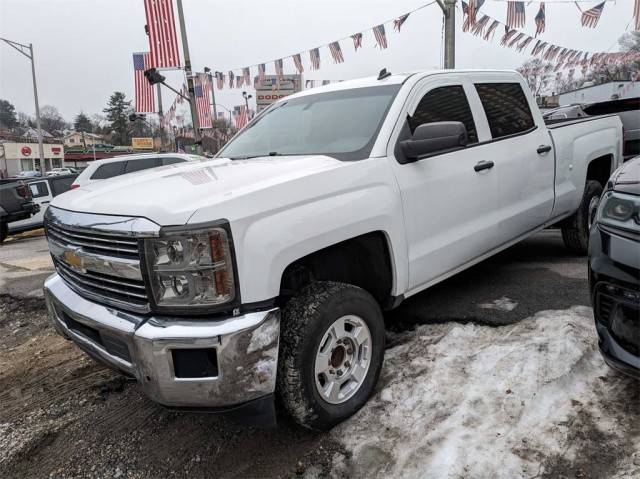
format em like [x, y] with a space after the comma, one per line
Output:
[614, 90]
[81, 139]
[23, 156]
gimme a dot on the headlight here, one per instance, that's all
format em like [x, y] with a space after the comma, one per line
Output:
[191, 269]
[620, 211]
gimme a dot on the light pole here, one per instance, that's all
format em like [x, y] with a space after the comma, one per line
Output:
[246, 102]
[23, 49]
[207, 70]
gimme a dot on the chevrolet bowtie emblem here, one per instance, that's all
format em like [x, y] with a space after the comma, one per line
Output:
[72, 259]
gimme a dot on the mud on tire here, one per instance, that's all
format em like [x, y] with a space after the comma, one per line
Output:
[305, 320]
[575, 229]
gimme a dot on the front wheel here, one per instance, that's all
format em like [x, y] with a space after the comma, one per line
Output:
[575, 230]
[4, 231]
[331, 353]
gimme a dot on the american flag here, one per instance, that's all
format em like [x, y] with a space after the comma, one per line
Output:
[261, 73]
[636, 14]
[591, 17]
[246, 73]
[201, 87]
[336, 52]
[491, 29]
[480, 25]
[381, 36]
[220, 80]
[297, 61]
[539, 48]
[398, 22]
[231, 77]
[240, 116]
[515, 40]
[541, 20]
[239, 81]
[508, 34]
[314, 57]
[524, 44]
[515, 14]
[357, 40]
[144, 99]
[163, 40]
[279, 68]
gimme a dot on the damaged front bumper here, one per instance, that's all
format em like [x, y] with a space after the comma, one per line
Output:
[180, 362]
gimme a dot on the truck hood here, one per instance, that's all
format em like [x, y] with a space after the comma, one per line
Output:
[627, 179]
[170, 195]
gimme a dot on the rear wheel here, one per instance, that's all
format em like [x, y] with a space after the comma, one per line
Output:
[332, 347]
[575, 230]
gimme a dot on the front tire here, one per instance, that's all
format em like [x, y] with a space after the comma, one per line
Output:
[575, 230]
[4, 231]
[331, 352]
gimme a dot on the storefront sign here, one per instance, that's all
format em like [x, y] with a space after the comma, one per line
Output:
[26, 151]
[142, 143]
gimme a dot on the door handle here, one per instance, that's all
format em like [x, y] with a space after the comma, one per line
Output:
[543, 149]
[46, 202]
[483, 165]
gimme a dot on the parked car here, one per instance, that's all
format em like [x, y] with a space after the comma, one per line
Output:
[16, 203]
[266, 270]
[60, 171]
[43, 190]
[614, 270]
[627, 109]
[29, 174]
[99, 170]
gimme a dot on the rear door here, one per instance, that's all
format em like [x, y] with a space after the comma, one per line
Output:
[522, 151]
[449, 207]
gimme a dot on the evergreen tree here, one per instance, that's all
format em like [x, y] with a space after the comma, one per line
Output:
[117, 111]
[83, 123]
[7, 115]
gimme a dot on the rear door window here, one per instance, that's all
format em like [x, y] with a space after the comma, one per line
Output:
[142, 164]
[108, 170]
[506, 107]
[39, 189]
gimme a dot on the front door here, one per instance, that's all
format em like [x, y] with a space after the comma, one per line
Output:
[449, 207]
[42, 196]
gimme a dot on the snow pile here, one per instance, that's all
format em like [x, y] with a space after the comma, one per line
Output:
[474, 401]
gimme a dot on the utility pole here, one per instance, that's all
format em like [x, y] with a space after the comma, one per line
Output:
[161, 120]
[189, 74]
[449, 11]
[23, 49]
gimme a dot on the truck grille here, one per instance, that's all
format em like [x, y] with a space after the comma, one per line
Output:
[90, 263]
[120, 247]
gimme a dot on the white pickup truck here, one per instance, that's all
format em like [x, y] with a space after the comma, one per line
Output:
[267, 270]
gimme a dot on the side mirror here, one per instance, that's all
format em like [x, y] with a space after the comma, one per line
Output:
[433, 137]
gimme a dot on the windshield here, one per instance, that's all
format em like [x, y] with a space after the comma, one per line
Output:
[342, 124]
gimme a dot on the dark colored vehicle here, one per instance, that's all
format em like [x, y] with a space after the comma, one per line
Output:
[614, 269]
[43, 190]
[626, 109]
[16, 203]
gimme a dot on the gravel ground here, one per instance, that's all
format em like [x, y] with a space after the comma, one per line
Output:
[62, 415]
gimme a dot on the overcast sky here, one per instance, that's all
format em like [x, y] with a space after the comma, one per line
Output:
[83, 47]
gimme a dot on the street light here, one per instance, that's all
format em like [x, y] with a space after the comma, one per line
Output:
[23, 50]
[246, 101]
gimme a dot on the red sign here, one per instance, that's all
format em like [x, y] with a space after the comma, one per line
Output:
[56, 150]
[26, 151]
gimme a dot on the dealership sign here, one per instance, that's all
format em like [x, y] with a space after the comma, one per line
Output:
[26, 151]
[142, 143]
[271, 90]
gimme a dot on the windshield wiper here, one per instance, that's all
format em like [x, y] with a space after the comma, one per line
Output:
[271, 153]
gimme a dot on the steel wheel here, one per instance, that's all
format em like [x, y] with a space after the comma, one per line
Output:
[343, 359]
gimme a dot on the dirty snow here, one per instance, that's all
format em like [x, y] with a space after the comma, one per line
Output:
[502, 304]
[523, 400]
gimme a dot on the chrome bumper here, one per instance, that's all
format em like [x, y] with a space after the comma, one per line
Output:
[245, 348]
